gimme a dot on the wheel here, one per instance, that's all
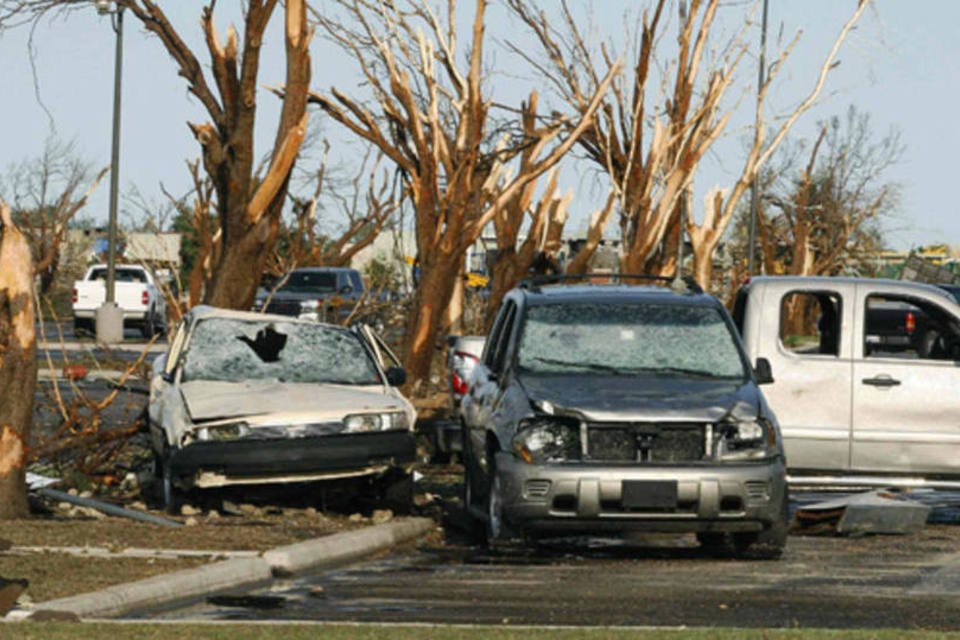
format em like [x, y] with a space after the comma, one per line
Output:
[714, 542]
[82, 326]
[169, 495]
[397, 493]
[148, 328]
[499, 534]
[763, 545]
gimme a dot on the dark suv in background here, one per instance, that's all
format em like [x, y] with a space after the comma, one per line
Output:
[609, 408]
[318, 293]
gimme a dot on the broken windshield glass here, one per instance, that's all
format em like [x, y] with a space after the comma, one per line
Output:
[629, 339]
[233, 350]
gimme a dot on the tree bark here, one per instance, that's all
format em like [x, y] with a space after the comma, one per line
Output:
[432, 297]
[18, 364]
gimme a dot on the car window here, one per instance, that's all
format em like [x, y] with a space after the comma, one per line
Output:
[311, 282]
[629, 339]
[503, 344]
[810, 322]
[120, 275]
[909, 328]
[233, 350]
[490, 347]
[356, 282]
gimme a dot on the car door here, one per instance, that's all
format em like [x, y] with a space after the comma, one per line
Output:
[164, 396]
[805, 331]
[485, 391]
[906, 409]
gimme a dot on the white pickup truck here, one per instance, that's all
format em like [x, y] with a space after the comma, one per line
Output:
[866, 377]
[136, 292]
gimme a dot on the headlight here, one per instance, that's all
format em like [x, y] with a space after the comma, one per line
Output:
[542, 440]
[746, 440]
[364, 422]
[232, 431]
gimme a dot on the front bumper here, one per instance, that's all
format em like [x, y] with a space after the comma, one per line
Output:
[214, 464]
[583, 498]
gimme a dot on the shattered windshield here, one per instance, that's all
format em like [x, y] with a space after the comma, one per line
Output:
[233, 350]
[311, 282]
[629, 339]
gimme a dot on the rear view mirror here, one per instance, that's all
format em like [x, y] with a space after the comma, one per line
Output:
[346, 289]
[396, 376]
[763, 372]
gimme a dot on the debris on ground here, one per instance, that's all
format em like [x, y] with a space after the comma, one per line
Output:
[96, 508]
[872, 512]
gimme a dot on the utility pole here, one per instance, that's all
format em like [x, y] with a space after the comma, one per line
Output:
[754, 196]
[109, 319]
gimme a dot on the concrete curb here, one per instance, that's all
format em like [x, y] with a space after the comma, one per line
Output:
[233, 574]
[343, 547]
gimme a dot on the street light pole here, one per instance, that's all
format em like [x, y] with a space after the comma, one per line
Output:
[109, 321]
[754, 196]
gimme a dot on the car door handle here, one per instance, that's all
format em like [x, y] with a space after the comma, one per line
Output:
[881, 381]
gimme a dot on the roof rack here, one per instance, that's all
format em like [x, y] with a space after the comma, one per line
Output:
[682, 283]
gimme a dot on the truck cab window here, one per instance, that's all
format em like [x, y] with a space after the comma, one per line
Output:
[810, 323]
[908, 328]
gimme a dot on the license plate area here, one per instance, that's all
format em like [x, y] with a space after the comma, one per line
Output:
[648, 494]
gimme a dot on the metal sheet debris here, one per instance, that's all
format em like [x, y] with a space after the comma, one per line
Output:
[872, 512]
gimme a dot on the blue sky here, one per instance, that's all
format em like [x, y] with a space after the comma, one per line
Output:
[900, 66]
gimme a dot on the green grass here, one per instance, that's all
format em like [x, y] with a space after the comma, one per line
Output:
[150, 631]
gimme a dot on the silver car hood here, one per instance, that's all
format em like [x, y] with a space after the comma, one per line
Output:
[208, 400]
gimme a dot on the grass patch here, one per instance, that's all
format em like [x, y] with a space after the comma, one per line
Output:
[151, 631]
[57, 575]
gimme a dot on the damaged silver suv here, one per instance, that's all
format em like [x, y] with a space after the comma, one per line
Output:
[607, 408]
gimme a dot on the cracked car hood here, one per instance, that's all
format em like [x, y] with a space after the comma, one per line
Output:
[615, 398]
[207, 400]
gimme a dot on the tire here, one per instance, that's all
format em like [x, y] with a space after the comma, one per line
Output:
[397, 493]
[764, 545]
[82, 326]
[148, 328]
[170, 497]
[500, 535]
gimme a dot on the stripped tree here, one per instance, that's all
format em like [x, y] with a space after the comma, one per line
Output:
[18, 364]
[720, 206]
[651, 136]
[824, 215]
[248, 204]
[47, 193]
[648, 150]
[431, 119]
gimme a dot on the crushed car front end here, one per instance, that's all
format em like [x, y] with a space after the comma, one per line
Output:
[574, 475]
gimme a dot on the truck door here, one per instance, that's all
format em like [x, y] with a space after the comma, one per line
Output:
[906, 411]
[811, 361]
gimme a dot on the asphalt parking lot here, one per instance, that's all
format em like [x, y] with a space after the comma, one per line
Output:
[866, 582]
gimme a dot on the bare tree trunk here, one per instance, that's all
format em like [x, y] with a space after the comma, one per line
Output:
[431, 300]
[453, 316]
[18, 364]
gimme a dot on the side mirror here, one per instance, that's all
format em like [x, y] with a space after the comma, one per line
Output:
[396, 376]
[763, 371]
[346, 289]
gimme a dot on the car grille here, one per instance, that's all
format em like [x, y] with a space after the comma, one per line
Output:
[274, 431]
[645, 442]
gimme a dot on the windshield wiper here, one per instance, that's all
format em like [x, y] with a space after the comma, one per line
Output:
[582, 365]
[699, 373]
